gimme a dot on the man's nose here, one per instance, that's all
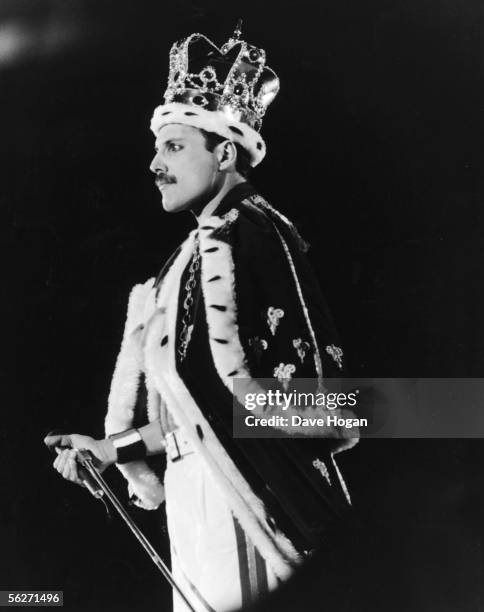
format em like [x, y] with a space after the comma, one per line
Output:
[157, 164]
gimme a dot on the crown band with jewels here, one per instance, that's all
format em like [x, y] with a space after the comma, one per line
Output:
[215, 102]
[224, 90]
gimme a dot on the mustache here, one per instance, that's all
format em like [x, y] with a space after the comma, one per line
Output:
[164, 179]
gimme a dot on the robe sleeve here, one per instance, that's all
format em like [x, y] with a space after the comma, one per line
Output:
[284, 326]
[133, 402]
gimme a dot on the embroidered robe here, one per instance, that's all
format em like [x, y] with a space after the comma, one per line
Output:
[257, 313]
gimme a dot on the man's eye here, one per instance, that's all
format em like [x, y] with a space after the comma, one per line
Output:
[174, 147]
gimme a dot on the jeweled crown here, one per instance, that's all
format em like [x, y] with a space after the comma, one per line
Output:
[233, 79]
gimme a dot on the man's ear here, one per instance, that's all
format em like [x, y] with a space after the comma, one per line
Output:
[226, 155]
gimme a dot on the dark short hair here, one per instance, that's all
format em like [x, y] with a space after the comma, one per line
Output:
[242, 164]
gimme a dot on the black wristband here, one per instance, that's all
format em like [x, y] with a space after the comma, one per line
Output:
[129, 446]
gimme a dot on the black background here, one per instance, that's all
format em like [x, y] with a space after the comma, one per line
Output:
[374, 150]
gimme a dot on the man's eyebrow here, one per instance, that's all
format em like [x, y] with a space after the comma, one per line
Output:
[166, 142]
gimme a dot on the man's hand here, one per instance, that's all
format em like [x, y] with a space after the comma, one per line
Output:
[66, 447]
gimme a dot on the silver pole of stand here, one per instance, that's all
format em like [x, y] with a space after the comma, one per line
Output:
[85, 459]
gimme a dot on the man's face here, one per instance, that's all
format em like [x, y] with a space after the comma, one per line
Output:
[186, 172]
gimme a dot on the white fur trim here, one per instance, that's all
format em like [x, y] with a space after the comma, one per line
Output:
[341, 480]
[160, 361]
[153, 401]
[142, 481]
[212, 121]
[124, 385]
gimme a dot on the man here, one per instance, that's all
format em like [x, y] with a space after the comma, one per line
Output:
[236, 303]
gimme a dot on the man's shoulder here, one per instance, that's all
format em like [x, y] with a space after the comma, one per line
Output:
[247, 221]
[254, 214]
[247, 228]
[259, 224]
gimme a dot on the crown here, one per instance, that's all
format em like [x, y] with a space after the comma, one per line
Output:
[233, 79]
[226, 90]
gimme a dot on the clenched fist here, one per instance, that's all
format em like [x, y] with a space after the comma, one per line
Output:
[66, 447]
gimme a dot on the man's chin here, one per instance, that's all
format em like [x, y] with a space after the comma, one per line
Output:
[170, 205]
[170, 208]
[173, 206]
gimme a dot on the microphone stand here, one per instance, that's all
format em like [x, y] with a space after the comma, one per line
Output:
[85, 458]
